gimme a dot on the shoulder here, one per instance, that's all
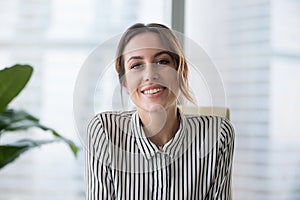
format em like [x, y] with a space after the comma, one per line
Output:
[104, 127]
[105, 121]
[216, 125]
[113, 117]
[207, 120]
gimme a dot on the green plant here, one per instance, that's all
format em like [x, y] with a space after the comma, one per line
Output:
[12, 81]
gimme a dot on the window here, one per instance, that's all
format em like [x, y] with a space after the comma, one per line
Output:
[255, 45]
[56, 37]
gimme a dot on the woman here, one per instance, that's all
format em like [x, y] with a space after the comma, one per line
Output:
[155, 151]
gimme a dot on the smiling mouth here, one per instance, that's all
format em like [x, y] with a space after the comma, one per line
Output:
[153, 91]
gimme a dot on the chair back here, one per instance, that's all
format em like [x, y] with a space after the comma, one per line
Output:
[215, 111]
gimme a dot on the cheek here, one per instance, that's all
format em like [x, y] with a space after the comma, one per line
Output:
[170, 77]
[132, 81]
[174, 87]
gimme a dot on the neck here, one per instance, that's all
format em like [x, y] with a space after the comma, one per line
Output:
[161, 125]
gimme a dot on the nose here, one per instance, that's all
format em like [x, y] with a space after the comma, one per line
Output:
[150, 72]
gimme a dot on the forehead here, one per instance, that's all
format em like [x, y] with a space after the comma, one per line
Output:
[144, 41]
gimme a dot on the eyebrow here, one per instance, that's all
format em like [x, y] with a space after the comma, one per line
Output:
[155, 55]
[134, 58]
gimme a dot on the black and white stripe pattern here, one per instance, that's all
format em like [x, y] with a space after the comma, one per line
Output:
[121, 163]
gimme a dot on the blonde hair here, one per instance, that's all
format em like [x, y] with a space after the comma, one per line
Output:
[169, 41]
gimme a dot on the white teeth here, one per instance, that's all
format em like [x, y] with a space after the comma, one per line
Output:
[152, 91]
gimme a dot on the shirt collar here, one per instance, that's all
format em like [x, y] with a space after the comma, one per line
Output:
[149, 149]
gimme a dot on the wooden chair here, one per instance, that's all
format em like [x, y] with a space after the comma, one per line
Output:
[215, 111]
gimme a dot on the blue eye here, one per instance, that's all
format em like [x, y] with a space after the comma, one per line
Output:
[163, 62]
[136, 66]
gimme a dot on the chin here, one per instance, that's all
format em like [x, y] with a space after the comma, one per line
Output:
[156, 108]
[150, 108]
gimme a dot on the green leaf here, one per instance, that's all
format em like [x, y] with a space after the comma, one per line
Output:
[16, 120]
[10, 152]
[71, 144]
[12, 81]
[13, 120]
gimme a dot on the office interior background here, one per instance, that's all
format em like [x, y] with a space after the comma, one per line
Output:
[255, 45]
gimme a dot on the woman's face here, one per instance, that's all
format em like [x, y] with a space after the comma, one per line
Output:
[150, 73]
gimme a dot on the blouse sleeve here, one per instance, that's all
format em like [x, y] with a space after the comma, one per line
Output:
[221, 187]
[97, 170]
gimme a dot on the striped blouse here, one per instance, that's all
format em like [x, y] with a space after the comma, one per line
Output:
[122, 163]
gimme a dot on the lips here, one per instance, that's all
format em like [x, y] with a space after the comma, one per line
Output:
[152, 89]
